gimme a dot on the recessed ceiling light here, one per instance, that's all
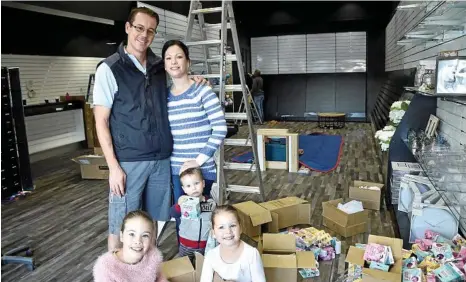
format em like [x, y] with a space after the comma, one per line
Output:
[111, 43]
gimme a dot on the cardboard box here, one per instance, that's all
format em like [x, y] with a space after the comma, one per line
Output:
[344, 224]
[93, 166]
[181, 270]
[287, 212]
[370, 199]
[98, 151]
[355, 256]
[252, 216]
[280, 259]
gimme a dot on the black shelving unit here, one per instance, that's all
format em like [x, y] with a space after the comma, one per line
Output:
[16, 168]
[423, 104]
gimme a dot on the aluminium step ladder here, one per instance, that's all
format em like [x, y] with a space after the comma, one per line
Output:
[227, 22]
[255, 112]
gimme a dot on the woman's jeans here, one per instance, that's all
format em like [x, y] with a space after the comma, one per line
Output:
[259, 101]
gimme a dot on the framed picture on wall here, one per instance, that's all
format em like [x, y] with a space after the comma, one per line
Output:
[451, 75]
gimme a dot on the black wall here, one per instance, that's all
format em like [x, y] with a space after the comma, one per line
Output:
[299, 93]
[50, 35]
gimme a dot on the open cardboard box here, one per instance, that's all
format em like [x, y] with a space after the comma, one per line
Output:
[181, 270]
[252, 216]
[355, 256]
[281, 260]
[344, 224]
[92, 166]
[370, 198]
[287, 212]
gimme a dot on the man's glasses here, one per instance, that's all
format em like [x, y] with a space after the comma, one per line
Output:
[141, 29]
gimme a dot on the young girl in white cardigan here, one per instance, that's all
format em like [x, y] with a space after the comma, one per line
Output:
[232, 259]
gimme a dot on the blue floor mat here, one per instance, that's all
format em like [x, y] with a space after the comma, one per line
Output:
[321, 152]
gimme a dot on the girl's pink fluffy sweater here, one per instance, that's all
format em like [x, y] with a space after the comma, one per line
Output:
[108, 268]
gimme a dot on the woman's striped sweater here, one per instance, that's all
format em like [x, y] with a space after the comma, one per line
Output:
[198, 127]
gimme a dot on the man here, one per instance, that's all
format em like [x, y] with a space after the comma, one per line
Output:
[130, 110]
[257, 92]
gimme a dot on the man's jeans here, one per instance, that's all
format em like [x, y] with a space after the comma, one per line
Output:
[259, 101]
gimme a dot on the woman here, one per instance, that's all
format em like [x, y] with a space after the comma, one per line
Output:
[196, 118]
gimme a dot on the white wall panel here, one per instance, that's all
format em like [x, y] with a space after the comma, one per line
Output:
[351, 52]
[311, 53]
[264, 54]
[321, 52]
[291, 54]
[53, 130]
[48, 77]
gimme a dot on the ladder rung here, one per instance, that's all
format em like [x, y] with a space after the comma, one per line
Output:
[237, 142]
[216, 59]
[239, 166]
[243, 189]
[234, 116]
[213, 75]
[215, 26]
[204, 42]
[207, 10]
[229, 88]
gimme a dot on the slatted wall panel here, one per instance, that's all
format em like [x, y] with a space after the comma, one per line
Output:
[48, 77]
[452, 114]
[351, 52]
[174, 26]
[405, 20]
[53, 130]
[321, 52]
[324, 53]
[264, 54]
[407, 56]
[290, 48]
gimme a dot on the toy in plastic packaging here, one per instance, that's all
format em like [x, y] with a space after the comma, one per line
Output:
[375, 252]
[449, 273]
[190, 208]
[406, 253]
[458, 242]
[327, 253]
[442, 252]
[429, 264]
[410, 262]
[379, 266]
[309, 272]
[412, 275]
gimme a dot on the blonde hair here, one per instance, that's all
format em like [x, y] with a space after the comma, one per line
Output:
[225, 208]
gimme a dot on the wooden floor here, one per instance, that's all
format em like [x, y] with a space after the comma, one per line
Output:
[65, 219]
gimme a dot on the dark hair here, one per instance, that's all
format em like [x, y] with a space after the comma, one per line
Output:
[225, 208]
[138, 213]
[257, 73]
[178, 43]
[192, 171]
[143, 10]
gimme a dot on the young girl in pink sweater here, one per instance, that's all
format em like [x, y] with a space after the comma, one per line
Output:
[138, 260]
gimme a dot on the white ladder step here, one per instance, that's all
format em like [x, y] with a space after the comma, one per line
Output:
[243, 189]
[207, 10]
[237, 142]
[204, 42]
[229, 88]
[234, 116]
[216, 59]
[239, 166]
[213, 75]
[215, 26]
